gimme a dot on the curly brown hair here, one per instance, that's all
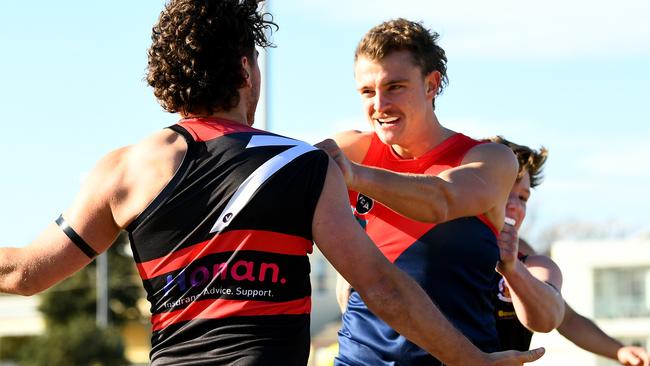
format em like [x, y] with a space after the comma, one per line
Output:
[195, 56]
[530, 160]
[405, 35]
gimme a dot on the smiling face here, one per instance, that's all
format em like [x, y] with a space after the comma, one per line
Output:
[518, 200]
[397, 100]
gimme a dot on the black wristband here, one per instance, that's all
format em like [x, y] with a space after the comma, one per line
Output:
[76, 239]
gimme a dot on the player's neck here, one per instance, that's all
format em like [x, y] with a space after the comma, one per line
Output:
[233, 115]
[432, 135]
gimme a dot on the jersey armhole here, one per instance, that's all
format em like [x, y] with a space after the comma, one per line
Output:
[489, 224]
[178, 177]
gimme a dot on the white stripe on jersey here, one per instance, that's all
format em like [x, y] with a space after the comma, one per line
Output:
[249, 187]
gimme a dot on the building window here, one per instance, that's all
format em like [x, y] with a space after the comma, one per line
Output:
[622, 292]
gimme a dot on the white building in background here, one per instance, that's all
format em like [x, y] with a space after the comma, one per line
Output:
[609, 282]
[19, 316]
[325, 309]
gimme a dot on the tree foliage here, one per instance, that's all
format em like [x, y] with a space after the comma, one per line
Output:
[77, 342]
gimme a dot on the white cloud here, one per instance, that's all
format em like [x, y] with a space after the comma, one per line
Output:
[511, 28]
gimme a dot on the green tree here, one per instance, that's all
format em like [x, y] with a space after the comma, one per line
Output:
[77, 342]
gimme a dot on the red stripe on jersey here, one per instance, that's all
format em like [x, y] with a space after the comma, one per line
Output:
[489, 224]
[217, 309]
[230, 241]
[390, 231]
[394, 233]
[205, 129]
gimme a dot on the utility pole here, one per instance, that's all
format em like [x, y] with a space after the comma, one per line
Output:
[101, 318]
[261, 115]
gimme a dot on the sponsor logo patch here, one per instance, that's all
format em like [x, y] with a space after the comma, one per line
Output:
[504, 292]
[364, 204]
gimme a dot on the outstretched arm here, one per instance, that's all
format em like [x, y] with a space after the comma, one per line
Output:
[585, 334]
[534, 286]
[117, 189]
[478, 186]
[53, 256]
[389, 292]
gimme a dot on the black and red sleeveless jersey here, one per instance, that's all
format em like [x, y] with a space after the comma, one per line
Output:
[222, 250]
[453, 262]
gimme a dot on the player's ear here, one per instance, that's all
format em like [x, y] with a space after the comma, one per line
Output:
[432, 83]
[246, 69]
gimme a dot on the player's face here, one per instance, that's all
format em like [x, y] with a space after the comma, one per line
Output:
[518, 199]
[396, 97]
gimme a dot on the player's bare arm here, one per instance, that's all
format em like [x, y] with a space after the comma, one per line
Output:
[109, 199]
[389, 292]
[479, 186]
[584, 333]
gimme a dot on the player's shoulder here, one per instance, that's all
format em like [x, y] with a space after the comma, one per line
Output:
[164, 147]
[537, 260]
[351, 136]
[159, 153]
[354, 143]
[545, 269]
[490, 152]
[162, 144]
[492, 149]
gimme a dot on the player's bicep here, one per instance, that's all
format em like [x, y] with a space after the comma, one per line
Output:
[82, 232]
[49, 259]
[91, 214]
[482, 182]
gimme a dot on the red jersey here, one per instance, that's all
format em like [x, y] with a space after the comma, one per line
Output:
[453, 262]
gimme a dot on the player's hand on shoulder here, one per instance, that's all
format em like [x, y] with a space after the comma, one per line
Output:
[334, 151]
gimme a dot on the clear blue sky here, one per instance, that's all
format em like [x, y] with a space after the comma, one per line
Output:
[572, 77]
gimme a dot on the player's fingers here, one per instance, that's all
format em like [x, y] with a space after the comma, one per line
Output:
[327, 144]
[643, 355]
[629, 361]
[532, 355]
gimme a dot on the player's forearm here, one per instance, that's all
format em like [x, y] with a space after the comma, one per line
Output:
[401, 303]
[418, 197]
[538, 306]
[585, 334]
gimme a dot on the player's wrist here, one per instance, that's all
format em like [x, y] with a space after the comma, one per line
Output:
[354, 180]
[509, 268]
